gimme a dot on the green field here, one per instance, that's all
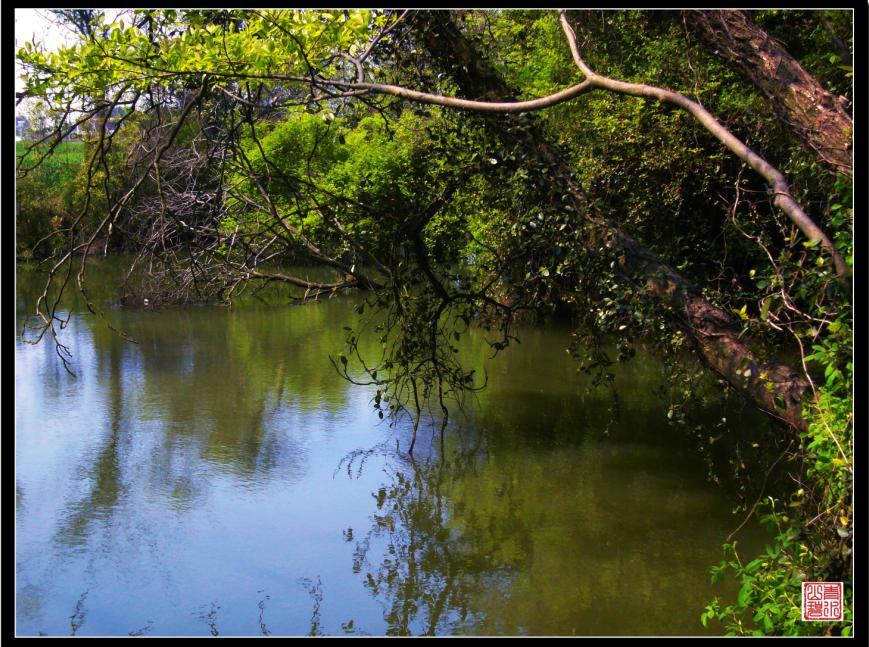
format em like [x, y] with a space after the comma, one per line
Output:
[61, 165]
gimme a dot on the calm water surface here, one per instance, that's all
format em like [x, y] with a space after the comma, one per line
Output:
[219, 478]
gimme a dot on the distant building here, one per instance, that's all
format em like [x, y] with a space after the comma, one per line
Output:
[21, 126]
[115, 118]
[91, 127]
[94, 125]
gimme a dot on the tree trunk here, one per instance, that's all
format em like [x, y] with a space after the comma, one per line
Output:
[772, 387]
[820, 119]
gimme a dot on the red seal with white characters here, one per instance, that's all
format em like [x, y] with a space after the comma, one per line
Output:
[822, 601]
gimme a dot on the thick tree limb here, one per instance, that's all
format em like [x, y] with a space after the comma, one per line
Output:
[819, 118]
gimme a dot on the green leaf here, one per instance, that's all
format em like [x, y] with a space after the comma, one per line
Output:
[745, 592]
[753, 565]
[764, 309]
[742, 313]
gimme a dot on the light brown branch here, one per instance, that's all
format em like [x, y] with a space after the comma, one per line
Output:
[501, 107]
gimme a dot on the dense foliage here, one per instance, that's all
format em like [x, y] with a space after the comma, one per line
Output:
[256, 140]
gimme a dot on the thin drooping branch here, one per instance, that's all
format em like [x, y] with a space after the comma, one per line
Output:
[782, 197]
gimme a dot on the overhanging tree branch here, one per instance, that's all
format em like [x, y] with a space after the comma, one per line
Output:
[778, 185]
[771, 386]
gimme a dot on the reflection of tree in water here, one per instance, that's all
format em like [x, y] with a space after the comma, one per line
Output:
[212, 407]
[261, 605]
[142, 631]
[76, 620]
[549, 526]
[315, 590]
[430, 572]
[107, 487]
[210, 618]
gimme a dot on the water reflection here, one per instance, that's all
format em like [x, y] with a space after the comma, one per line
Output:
[218, 478]
[566, 545]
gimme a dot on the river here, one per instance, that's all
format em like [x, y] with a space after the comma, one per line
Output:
[217, 477]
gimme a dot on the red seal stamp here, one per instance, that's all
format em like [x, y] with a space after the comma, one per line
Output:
[822, 601]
